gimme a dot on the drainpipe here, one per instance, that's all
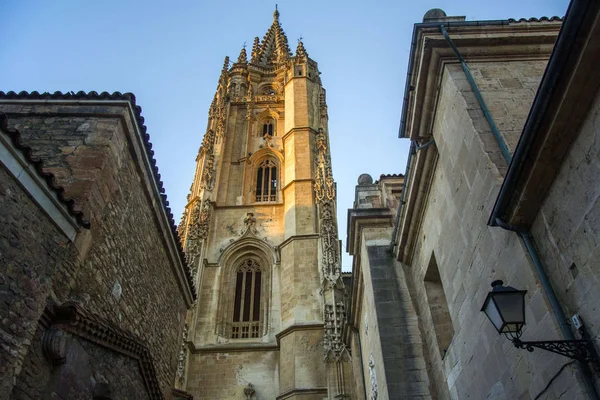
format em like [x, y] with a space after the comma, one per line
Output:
[479, 97]
[360, 356]
[406, 175]
[407, 90]
[525, 235]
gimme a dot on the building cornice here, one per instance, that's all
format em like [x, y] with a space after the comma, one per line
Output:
[566, 92]
[297, 327]
[359, 219]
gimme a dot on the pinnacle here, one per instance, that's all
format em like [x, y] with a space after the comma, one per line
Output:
[300, 50]
[225, 65]
[243, 57]
[255, 50]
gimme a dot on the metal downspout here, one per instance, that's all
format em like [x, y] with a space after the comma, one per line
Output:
[360, 356]
[484, 108]
[524, 234]
[411, 151]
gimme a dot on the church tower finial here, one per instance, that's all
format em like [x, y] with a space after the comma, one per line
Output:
[255, 50]
[300, 50]
[273, 49]
[243, 57]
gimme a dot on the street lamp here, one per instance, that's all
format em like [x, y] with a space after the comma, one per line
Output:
[505, 308]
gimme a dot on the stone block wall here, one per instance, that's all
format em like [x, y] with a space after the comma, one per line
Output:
[567, 227]
[224, 375]
[508, 89]
[479, 363]
[124, 272]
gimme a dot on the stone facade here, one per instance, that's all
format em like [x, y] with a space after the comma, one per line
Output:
[443, 243]
[260, 232]
[123, 269]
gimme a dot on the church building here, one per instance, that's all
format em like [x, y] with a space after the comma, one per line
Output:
[260, 236]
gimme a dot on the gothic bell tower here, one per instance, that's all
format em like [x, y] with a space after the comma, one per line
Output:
[260, 235]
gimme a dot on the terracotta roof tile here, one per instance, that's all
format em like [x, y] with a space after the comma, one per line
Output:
[38, 164]
[541, 19]
[130, 97]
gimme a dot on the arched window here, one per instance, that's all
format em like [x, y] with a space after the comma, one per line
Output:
[246, 308]
[268, 90]
[266, 181]
[267, 128]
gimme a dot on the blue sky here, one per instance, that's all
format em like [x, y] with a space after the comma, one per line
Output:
[170, 54]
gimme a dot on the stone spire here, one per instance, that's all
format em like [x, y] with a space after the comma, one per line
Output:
[301, 51]
[274, 47]
[243, 57]
[223, 77]
[255, 50]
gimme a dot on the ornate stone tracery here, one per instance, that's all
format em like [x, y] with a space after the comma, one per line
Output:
[182, 359]
[333, 343]
[197, 231]
[334, 313]
[324, 185]
[331, 257]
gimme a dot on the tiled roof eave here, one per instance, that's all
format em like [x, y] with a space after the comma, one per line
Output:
[130, 97]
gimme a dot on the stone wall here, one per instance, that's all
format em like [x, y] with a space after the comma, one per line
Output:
[224, 375]
[89, 371]
[508, 89]
[566, 229]
[125, 273]
[32, 253]
[469, 256]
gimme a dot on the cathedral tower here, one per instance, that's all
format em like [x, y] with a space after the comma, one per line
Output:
[260, 235]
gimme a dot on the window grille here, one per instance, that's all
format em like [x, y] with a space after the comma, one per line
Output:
[247, 303]
[268, 128]
[266, 181]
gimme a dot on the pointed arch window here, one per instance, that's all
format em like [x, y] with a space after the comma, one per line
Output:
[267, 128]
[247, 303]
[266, 181]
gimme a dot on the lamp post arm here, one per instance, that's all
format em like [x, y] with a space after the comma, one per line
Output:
[582, 349]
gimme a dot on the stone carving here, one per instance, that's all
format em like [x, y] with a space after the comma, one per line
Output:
[182, 225]
[208, 175]
[249, 391]
[333, 344]
[250, 224]
[208, 143]
[372, 377]
[332, 270]
[197, 232]
[54, 346]
[220, 120]
[324, 186]
[181, 360]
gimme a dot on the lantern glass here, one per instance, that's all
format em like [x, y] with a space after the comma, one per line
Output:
[491, 310]
[511, 306]
[505, 307]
